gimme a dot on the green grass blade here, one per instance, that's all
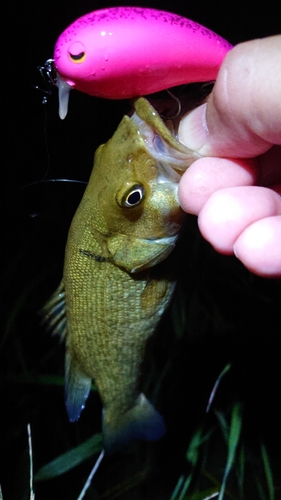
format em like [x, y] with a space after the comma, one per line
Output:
[234, 435]
[224, 425]
[70, 459]
[262, 495]
[185, 486]
[192, 453]
[233, 440]
[268, 472]
[215, 388]
[176, 490]
[193, 456]
[208, 494]
[240, 472]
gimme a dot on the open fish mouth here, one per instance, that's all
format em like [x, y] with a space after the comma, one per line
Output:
[172, 157]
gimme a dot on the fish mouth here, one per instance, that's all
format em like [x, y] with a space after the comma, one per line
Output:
[172, 157]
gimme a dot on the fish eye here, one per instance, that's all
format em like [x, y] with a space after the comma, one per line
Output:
[132, 197]
[77, 52]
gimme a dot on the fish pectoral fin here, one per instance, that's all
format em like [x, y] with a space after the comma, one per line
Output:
[141, 422]
[53, 314]
[156, 295]
[135, 254]
[77, 388]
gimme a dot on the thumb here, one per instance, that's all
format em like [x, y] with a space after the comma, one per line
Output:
[242, 118]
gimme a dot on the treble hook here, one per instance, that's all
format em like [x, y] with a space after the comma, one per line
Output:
[176, 99]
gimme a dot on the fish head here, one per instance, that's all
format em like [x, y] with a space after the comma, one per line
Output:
[141, 200]
[134, 184]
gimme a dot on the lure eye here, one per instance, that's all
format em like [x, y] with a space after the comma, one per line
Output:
[77, 52]
[132, 197]
[78, 57]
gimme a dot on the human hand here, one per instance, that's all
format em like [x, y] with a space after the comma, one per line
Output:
[235, 189]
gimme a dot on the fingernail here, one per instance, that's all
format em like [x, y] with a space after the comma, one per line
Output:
[193, 130]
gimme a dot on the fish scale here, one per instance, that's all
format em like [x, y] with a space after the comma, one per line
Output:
[115, 309]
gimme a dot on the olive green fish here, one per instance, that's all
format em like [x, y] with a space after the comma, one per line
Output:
[114, 290]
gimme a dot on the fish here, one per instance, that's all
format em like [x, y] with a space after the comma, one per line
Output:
[118, 279]
[128, 52]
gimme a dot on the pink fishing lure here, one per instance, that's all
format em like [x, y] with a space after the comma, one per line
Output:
[125, 52]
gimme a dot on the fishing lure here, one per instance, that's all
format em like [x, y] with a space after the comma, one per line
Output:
[125, 52]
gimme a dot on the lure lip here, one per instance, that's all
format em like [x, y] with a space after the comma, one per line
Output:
[64, 88]
[113, 53]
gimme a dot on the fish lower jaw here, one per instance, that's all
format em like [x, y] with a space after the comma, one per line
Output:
[167, 240]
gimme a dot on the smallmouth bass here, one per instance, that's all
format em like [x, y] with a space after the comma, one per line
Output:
[115, 284]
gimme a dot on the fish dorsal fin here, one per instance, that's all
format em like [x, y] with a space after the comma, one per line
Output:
[53, 314]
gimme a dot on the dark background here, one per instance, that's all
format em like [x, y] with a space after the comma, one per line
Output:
[221, 312]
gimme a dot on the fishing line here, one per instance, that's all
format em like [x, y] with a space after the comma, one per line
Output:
[44, 102]
[46, 181]
[49, 75]
[177, 101]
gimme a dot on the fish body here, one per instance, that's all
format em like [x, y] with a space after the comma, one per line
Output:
[125, 52]
[116, 284]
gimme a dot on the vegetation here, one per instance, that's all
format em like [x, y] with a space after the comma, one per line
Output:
[211, 369]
